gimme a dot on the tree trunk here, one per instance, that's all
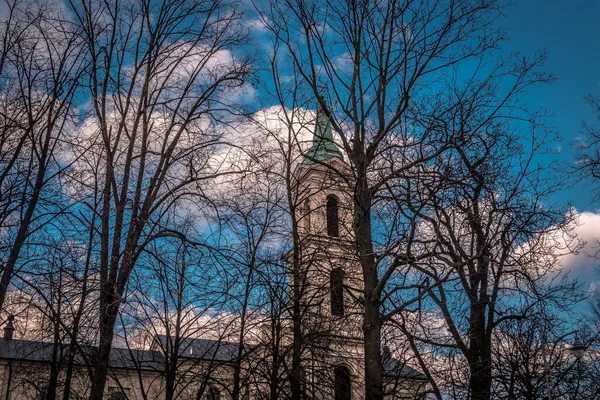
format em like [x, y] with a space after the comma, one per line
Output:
[296, 372]
[274, 379]
[235, 394]
[372, 345]
[275, 359]
[54, 366]
[240, 353]
[69, 371]
[77, 320]
[295, 383]
[170, 382]
[109, 307]
[372, 319]
[480, 383]
[480, 363]
[22, 234]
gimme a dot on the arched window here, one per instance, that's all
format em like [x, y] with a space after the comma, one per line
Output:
[42, 392]
[332, 216]
[336, 281]
[302, 379]
[246, 395]
[343, 383]
[213, 394]
[114, 394]
[306, 214]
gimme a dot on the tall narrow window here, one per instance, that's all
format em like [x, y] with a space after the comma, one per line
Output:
[343, 383]
[332, 216]
[302, 379]
[306, 214]
[336, 280]
[115, 393]
[213, 394]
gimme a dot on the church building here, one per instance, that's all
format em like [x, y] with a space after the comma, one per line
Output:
[329, 284]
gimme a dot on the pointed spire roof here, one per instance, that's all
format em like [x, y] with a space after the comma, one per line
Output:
[323, 148]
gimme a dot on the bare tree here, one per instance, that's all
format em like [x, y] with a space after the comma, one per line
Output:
[484, 250]
[587, 160]
[160, 71]
[62, 289]
[174, 294]
[251, 228]
[531, 357]
[272, 374]
[382, 70]
[56, 319]
[41, 65]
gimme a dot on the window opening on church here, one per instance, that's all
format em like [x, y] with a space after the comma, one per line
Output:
[302, 379]
[42, 392]
[343, 383]
[213, 394]
[332, 216]
[306, 214]
[115, 393]
[336, 278]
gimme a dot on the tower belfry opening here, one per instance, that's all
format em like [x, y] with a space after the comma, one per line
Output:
[337, 292]
[333, 228]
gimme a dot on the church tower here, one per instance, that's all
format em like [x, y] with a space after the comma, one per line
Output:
[331, 274]
[332, 285]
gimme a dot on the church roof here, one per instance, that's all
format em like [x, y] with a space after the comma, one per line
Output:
[151, 360]
[323, 148]
[206, 349]
[41, 352]
[395, 368]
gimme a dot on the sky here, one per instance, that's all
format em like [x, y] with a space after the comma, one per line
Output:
[569, 30]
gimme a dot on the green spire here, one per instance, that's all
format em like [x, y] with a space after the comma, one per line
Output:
[323, 148]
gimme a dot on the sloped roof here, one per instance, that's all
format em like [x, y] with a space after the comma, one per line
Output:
[137, 359]
[25, 350]
[151, 360]
[41, 352]
[323, 147]
[395, 368]
[205, 349]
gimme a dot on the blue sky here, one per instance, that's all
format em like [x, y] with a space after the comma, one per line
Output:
[570, 31]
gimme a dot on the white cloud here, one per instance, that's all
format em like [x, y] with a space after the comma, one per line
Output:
[583, 264]
[258, 25]
[260, 145]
